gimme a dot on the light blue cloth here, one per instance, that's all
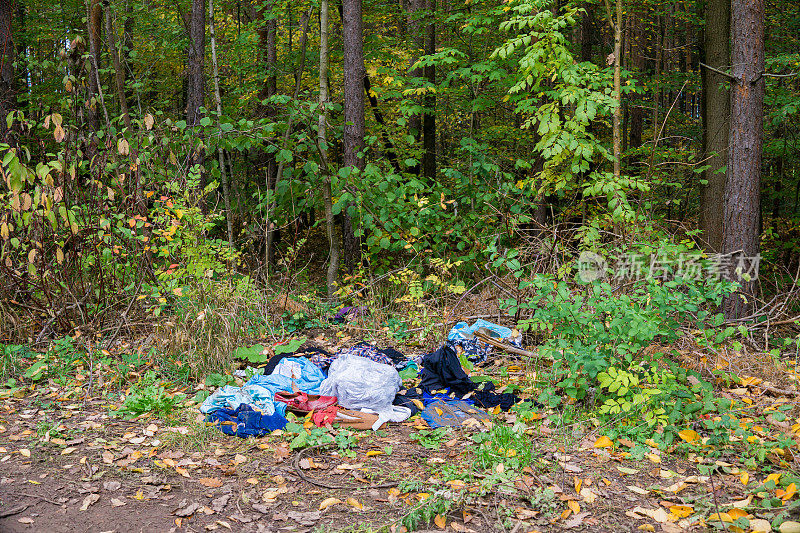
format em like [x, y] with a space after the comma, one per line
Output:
[463, 331]
[260, 391]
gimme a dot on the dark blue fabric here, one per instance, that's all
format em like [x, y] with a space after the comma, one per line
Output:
[246, 421]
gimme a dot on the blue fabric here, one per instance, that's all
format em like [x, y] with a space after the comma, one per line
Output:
[246, 421]
[478, 351]
[260, 391]
[454, 412]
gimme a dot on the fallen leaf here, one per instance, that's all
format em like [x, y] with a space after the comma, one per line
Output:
[637, 490]
[239, 459]
[440, 521]
[91, 499]
[24, 452]
[525, 514]
[373, 453]
[112, 485]
[654, 458]
[352, 502]
[210, 482]
[790, 526]
[116, 502]
[738, 513]
[689, 435]
[646, 527]
[187, 509]
[574, 506]
[182, 471]
[575, 521]
[603, 442]
[759, 525]
[681, 511]
[587, 495]
[328, 502]
[744, 478]
[25, 520]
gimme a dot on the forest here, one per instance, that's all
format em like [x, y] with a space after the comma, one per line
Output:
[192, 190]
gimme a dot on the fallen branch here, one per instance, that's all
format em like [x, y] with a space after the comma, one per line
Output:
[507, 347]
[299, 471]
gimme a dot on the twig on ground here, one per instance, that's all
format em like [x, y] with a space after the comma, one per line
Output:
[299, 472]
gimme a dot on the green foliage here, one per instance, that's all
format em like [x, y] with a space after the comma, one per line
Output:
[305, 438]
[147, 396]
[430, 438]
[509, 446]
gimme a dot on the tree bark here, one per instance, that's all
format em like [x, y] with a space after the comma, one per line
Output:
[119, 75]
[429, 118]
[94, 14]
[223, 172]
[716, 119]
[322, 142]
[196, 86]
[354, 71]
[741, 208]
[616, 24]
[8, 96]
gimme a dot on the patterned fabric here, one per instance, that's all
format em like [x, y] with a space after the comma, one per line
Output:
[478, 351]
[361, 349]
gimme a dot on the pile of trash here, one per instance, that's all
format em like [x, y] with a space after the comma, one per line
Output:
[361, 387]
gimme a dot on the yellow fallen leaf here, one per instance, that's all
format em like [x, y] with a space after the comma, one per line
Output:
[328, 502]
[689, 435]
[681, 511]
[440, 521]
[603, 442]
[352, 502]
[24, 452]
[637, 490]
[373, 453]
[139, 495]
[744, 478]
[773, 477]
[738, 513]
[496, 410]
[574, 506]
[787, 494]
[716, 517]
[578, 484]
[654, 458]
[587, 495]
[182, 471]
[646, 527]
[456, 484]
[394, 491]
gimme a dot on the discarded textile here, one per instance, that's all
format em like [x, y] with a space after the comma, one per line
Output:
[245, 421]
[360, 383]
[362, 349]
[308, 353]
[451, 413]
[442, 371]
[259, 391]
[302, 403]
[478, 351]
[406, 397]
[347, 314]
[409, 370]
[395, 413]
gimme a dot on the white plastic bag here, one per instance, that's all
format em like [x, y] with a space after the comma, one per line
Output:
[360, 383]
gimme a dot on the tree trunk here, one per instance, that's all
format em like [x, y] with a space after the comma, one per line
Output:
[119, 75]
[716, 119]
[429, 118]
[8, 97]
[94, 14]
[223, 172]
[196, 85]
[741, 208]
[322, 141]
[354, 71]
[616, 23]
[586, 33]
[418, 40]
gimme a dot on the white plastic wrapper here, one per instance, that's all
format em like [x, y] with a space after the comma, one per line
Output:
[360, 383]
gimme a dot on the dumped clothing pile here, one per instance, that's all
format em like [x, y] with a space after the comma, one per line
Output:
[357, 391]
[362, 387]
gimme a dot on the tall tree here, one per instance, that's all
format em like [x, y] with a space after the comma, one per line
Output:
[429, 118]
[716, 118]
[226, 196]
[354, 71]
[742, 199]
[94, 15]
[322, 143]
[196, 85]
[119, 74]
[8, 98]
